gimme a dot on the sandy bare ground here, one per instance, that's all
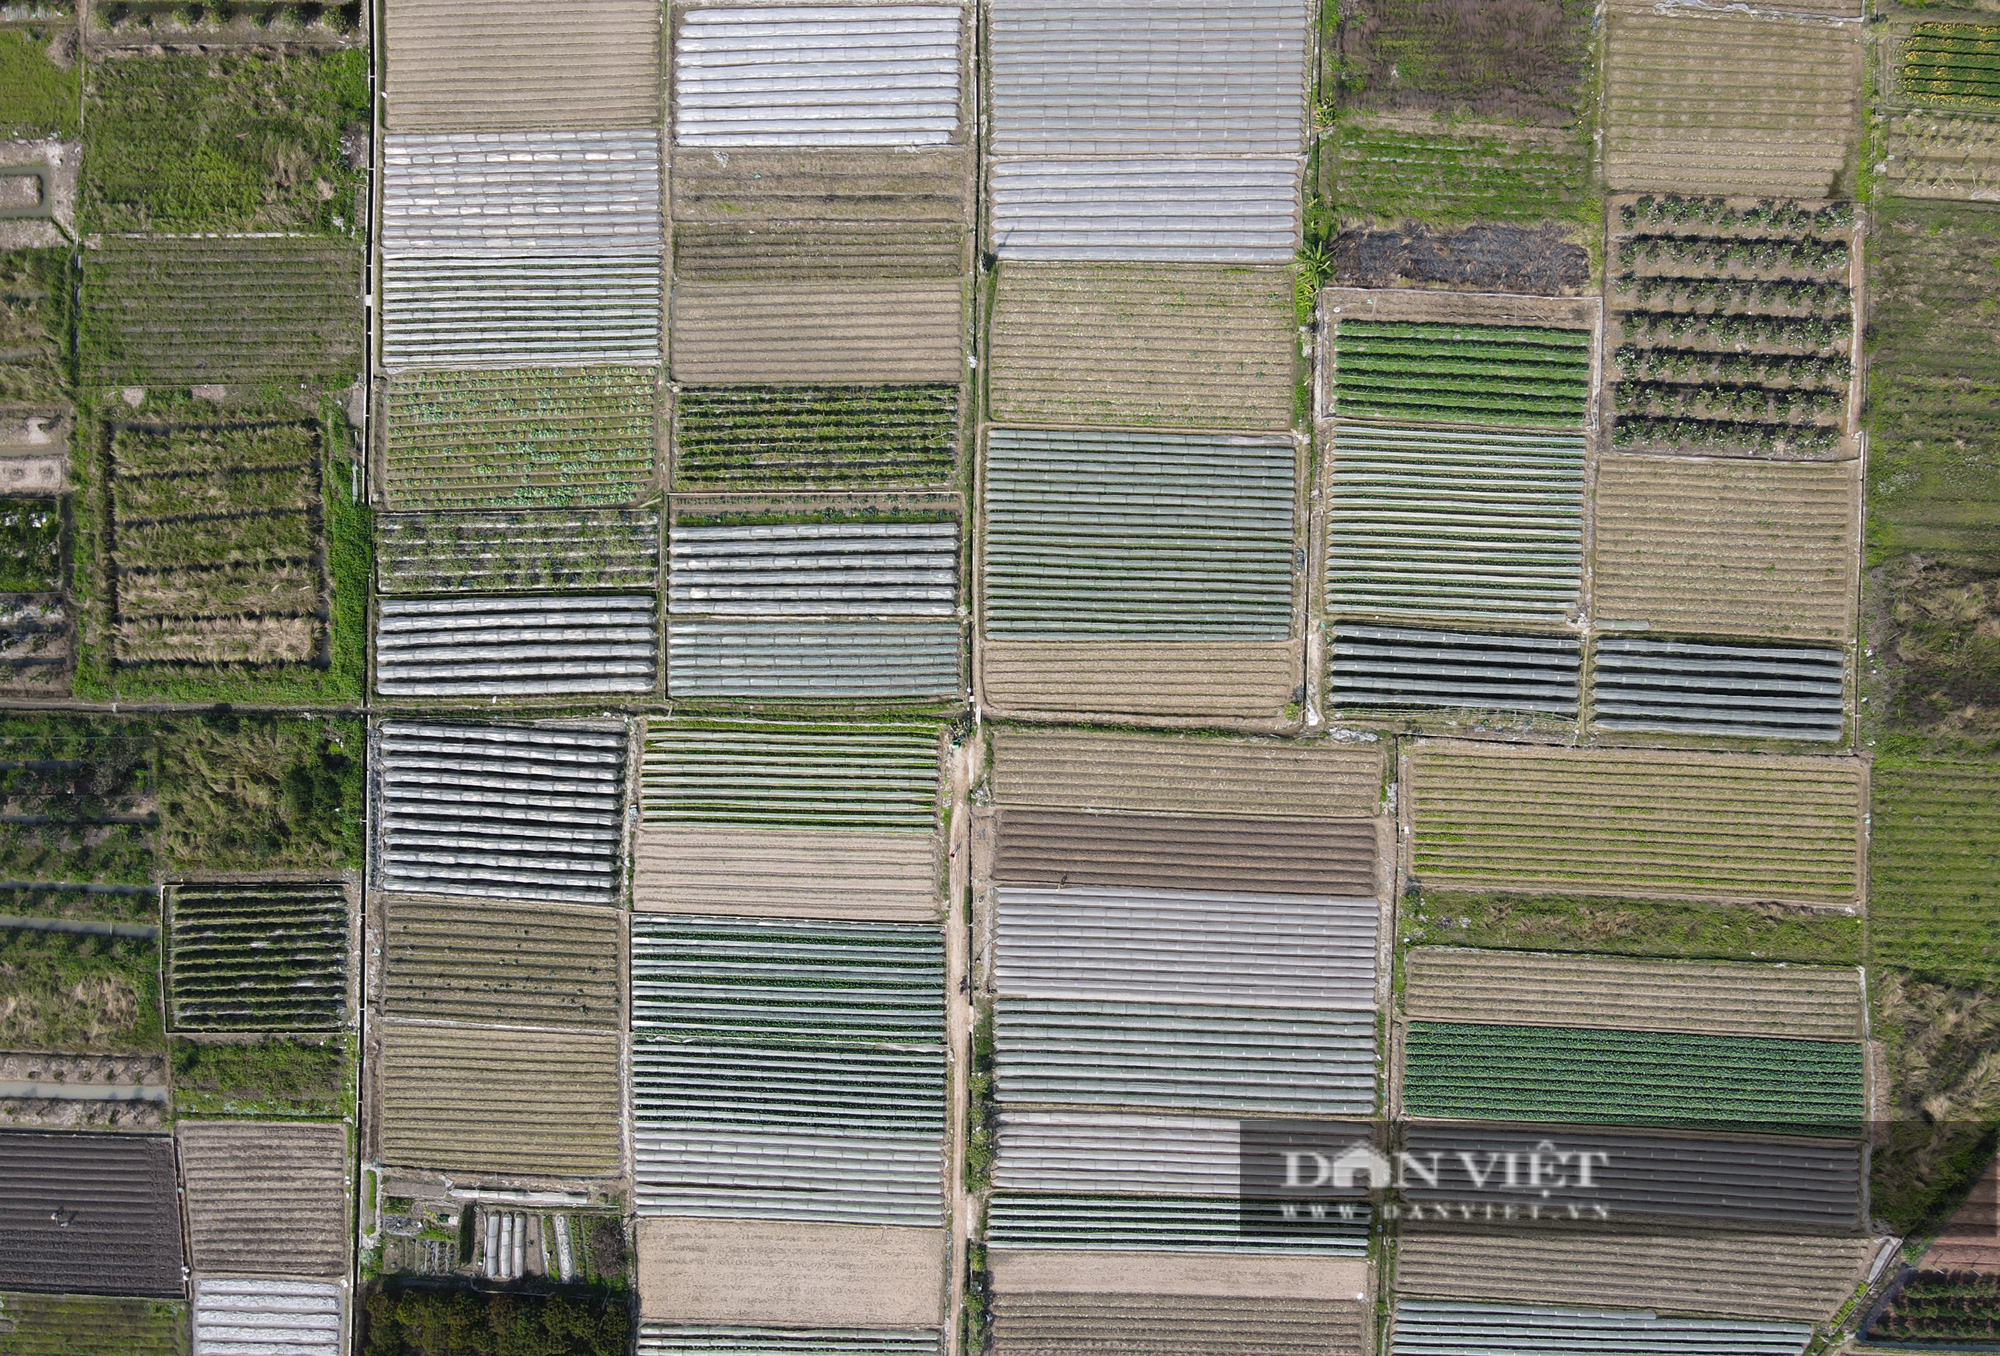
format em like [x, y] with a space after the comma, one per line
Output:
[769, 1273]
[1086, 1272]
[786, 873]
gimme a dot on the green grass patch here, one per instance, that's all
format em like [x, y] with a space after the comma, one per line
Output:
[82, 993]
[1446, 179]
[982, 1109]
[247, 142]
[1935, 634]
[1523, 62]
[350, 560]
[1956, 65]
[39, 89]
[35, 317]
[1472, 374]
[1934, 869]
[91, 1325]
[79, 793]
[1934, 381]
[464, 1322]
[261, 793]
[303, 1079]
[1623, 927]
[815, 437]
[1941, 1099]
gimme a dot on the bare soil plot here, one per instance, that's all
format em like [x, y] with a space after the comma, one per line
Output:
[532, 965]
[726, 333]
[1936, 154]
[1051, 1324]
[89, 1325]
[1266, 777]
[1055, 848]
[1725, 827]
[1051, 1271]
[1796, 1276]
[90, 1214]
[515, 1103]
[511, 65]
[1542, 260]
[1183, 345]
[1516, 61]
[1715, 998]
[791, 1274]
[1704, 100]
[1181, 681]
[1727, 548]
[1970, 1239]
[266, 1196]
[785, 873]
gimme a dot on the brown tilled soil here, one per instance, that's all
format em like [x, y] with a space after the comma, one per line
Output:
[1970, 1239]
[771, 1274]
[1540, 260]
[522, 64]
[730, 333]
[1507, 60]
[1415, 304]
[1029, 1271]
[1057, 848]
[1241, 681]
[786, 873]
[1036, 766]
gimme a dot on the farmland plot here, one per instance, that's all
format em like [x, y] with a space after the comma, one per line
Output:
[1205, 1232]
[183, 311]
[270, 956]
[513, 964]
[1386, 667]
[1723, 827]
[1710, 998]
[795, 821]
[815, 437]
[1121, 680]
[1952, 64]
[1743, 103]
[789, 1070]
[496, 552]
[515, 1102]
[1423, 1326]
[82, 802]
[532, 645]
[88, 1325]
[1074, 1271]
[266, 1196]
[90, 1214]
[1392, 170]
[750, 1273]
[1197, 1158]
[1523, 63]
[501, 812]
[1466, 374]
[1038, 767]
[298, 1317]
[1195, 346]
[687, 1339]
[1932, 848]
[1140, 1325]
[1727, 548]
[530, 437]
[1939, 154]
[897, 332]
[35, 314]
[1699, 687]
[1535, 260]
[1177, 211]
[507, 311]
[1055, 849]
[514, 66]
[1564, 1074]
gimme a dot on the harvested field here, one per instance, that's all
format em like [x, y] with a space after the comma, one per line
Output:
[814, 658]
[1521, 61]
[1385, 667]
[1181, 680]
[1934, 154]
[1469, 374]
[1438, 523]
[1056, 849]
[589, 193]
[1159, 1325]
[1674, 825]
[1712, 998]
[796, 1275]
[86, 1325]
[815, 437]
[473, 309]
[188, 311]
[1727, 548]
[1426, 1326]
[1540, 261]
[840, 334]
[264, 957]
[1232, 1060]
[296, 1317]
[519, 646]
[1695, 687]
[1136, 535]
[1189, 346]
[517, 66]
[1088, 768]
[1294, 951]
[847, 75]
[467, 1099]
[1788, 1276]
[90, 1214]
[527, 437]
[501, 812]
[503, 552]
[1713, 100]
[786, 873]
[687, 1339]
[1166, 211]
[1392, 171]
[266, 1196]
[1957, 65]
[1933, 841]
[1463, 1071]
[513, 964]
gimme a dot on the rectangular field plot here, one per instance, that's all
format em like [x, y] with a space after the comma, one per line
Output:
[767, 1054]
[34, 289]
[815, 437]
[817, 75]
[588, 192]
[549, 437]
[1770, 1276]
[1732, 102]
[510, 964]
[1039, 767]
[1936, 154]
[270, 956]
[90, 1214]
[1389, 173]
[1563, 1074]
[1188, 346]
[896, 332]
[691, 1339]
[512, 65]
[1932, 845]
[1182, 78]
[1713, 998]
[501, 812]
[1389, 667]
[518, 646]
[1055, 849]
[1699, 687]
[1202, 1230]
[503, 552]
[1424, 1326]
[1138, 536]
[1168, 211]
[1438, 523]
[1657, 825]
[1464, 374]
[266, 1197]
[1727, 548]
[90, 1325]
[1178, 681]
[476, 309]
[188, 311]
[1054, 1321]
[814, 1276]
[297, 1317]
[813, 658]
[89, 798]
[1957, 65]
[515, 1102]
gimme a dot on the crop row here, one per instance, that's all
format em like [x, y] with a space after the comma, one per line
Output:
[1698, 434]
[1723, 252]
[1780, 216]
[1932, 843]
[788, 776]
[1774, 370]
[1391, 175]
[1808, 332]
[1735, 404]
[1461, 373]
[1748, 293]
[1953, 64]
[804, 437]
